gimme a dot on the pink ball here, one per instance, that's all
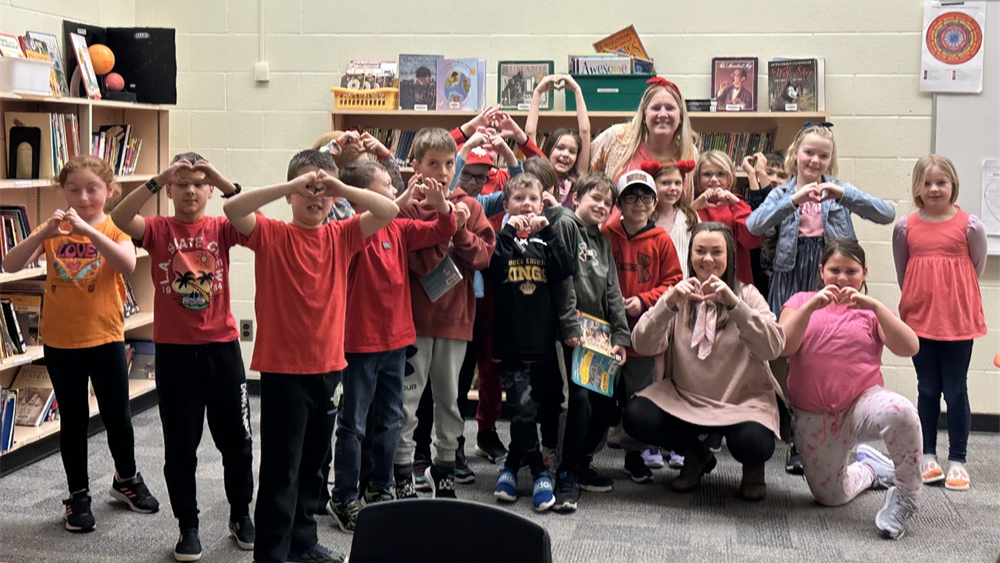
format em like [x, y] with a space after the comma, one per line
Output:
[114, 82]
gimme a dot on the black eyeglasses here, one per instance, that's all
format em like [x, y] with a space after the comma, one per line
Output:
[630, 199]
[809, 124]
[480, 179]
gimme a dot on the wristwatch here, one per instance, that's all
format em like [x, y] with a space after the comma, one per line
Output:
[238, 189]
[152, 186]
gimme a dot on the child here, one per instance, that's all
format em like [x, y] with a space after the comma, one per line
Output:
[593, 290]
[714, 178]
[839, 407]
[444, 327]
[381, 329]
[493, 124]
[528, 263]
[568, 150]
[83, 329]
[673, 213]
[940, 246]
[647, 267]
[200, 365]
[347, 147]
[764, 173]
[301, 272]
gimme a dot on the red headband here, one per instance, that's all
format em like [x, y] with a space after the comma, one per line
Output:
[658, 81]
[651, 167]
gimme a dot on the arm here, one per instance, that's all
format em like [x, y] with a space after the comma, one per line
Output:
[759, 330]
[900, 250]
[794, 322]
[866, 206]
[562, 264]
[651, 335]
[119, 255]
[620, 333]
[898, 337]
[670, 274]
[380, 209]
[582, 124]
[126, 214]
[976, 235]
[425, 234]
[496, 271]
[492, 203]
[240, 209]
[29, 249]
[474, 241]
[531, 123]
[740, 211]
[771, 212]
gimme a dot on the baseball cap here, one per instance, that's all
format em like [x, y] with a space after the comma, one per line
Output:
[636, 178]
[479, 155]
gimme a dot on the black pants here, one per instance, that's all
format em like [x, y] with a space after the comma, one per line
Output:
[943, 368]
[525, 385]
[588, 418]
[297, 416]
[192, 379]
[106, 367]
[751, 443]
[551, 408]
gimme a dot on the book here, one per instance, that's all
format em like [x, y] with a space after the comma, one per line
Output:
[626, 41]
[28, 310]
[460, 84]
[442, 279]
[51, 43]
[734, 83]
[365, 75]
[594, 364]
[8, 408]
[516, 82]
[738, 145]
[35, 395]
[38, 51]
[602, 64]
[796, 85]
[418, 81]
[13, 326]
[85, 66]
[10, 46]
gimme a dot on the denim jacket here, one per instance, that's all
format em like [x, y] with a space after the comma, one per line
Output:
[778, 210]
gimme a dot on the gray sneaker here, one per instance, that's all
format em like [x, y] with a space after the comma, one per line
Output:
[345, 513]
[895, 512]
[882, 466]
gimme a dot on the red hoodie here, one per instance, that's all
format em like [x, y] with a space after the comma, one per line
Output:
[735, 217]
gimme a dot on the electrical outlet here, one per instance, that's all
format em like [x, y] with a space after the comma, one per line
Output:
[246, 330]
[261, 72]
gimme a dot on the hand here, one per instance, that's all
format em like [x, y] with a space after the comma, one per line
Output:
[173, 173]
[716, 290]
[567, 82]
[481, 120]
[328, 186]
[806, 193]
[748, 164]
[509, 129]
[461, 214]
[538, 222]
[53, 226]
[722, 88]
[760, 165]
[350, 139]
[854, 299]
[830, 191]
[435, 195]
[549, 200]
[572, 342]
[306, 185]
[619, 351]
[78, 225]
[714, 197]
[374, 146]
[633, 307]
[683, 291]
[830, 294]
[547, 83]
[520, 223]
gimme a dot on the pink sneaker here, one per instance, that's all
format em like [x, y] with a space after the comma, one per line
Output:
[652, 458]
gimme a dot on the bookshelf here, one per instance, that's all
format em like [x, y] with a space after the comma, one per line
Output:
[40, 197]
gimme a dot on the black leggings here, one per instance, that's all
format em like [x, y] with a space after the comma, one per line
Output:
[751, 443]
[588, 418]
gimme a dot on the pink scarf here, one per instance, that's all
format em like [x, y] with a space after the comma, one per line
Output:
[703, 335]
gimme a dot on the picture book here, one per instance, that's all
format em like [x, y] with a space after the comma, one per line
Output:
[28, 310]
[13, 326]
[626, 40]
[365, 75]
[58, 66]
[459, 84]
[734, 83]
[87, 75]
[600, 64]
[594, 364]
[795, 85]
[38, 51]
[8, 407]
[442, 279]
[516, 82]
[418, 81]
[10, 46]
[34, 395]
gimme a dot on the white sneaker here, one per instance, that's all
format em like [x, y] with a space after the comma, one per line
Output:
[885, 471]
[895, 512]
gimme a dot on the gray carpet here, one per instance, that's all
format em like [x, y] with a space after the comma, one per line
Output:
[635, 523]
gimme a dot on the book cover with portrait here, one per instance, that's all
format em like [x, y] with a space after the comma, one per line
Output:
[459, 84]
[517, 80]
[734, 83]
[417, 81]
[792, 85]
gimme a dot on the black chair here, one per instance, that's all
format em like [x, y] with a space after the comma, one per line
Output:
[446, 531]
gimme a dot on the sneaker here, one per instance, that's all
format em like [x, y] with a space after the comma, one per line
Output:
[930, 470]
[243, 531]
[376, 495]
[636, 469]
[591, 480]
[567, 492]
[345, 513]
[420, 464]
[488, 445]
[550, 457]
[895, 512]
[881, 465]
[652, 458]
[676, 460]
[78, 516]
[318, 554]
[403, 476]
[506, 489]
[958, 477]
[542, 496]
[188, 546]
[793, 464]
[463, 474]
[441, 480]
[714, 443]
[134, 493]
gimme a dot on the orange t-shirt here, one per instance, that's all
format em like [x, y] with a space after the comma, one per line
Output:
[84, 296]
[301, 301]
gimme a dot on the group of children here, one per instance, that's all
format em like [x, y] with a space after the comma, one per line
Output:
[489, 267]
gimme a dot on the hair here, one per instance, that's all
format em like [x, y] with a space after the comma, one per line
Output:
[543, 170]
[311, 157]
[361, 174]
[925, 163]
[728, 277]
[553, 139]
[846, 247]
[719, 159]
[326, 138]
[682, 202]
[433, 139]
[98, 166]
[791, 166]
[525, 180]
[742, 72]
[685, 141]
[775, 159]
[595, 181]
[423, 72]
[191, 157]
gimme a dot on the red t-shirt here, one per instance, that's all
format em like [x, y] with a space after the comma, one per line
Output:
[190, 269]
[301, 277]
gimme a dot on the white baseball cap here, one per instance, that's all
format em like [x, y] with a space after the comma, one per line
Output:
[636, 178]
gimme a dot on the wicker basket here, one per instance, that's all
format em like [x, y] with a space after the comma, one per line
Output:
[384, 99]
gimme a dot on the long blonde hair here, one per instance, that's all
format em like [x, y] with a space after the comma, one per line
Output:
[719, 159]
[925, 163]
[685, 140]
[791, 165]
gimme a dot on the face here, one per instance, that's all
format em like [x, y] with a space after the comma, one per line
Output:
[737, 78]
[777, 175]
[636, 205]
[309, 211]
[382, 185]
[437, 164]
[86, 193]
[812, 159]
[473, 177]
[708, 254]
[663, 115]
[564, 154]
[190, 198]
[936, 193]
[593, 207]
[711, 175]
[843, 271]
[670, 187]
[524, 200]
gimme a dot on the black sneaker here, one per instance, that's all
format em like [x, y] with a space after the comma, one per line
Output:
[188, 546]
[567, 492]
[488, 445]
[403, 476]
[134, 493]
[318, 554]
[345, 513]
[635, 468]
[591, 480]
[376, 495]
[442, 481]
[420, 464]
[243, 531]
[793, 465]
[79, 518]
[463, 473]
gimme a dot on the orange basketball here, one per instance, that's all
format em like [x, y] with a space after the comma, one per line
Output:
[102, 58]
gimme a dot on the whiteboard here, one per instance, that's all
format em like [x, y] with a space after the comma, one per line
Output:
[967, 126]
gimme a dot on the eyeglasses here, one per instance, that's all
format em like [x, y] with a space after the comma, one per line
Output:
[480, 179]
[710, 175]
[632, 198]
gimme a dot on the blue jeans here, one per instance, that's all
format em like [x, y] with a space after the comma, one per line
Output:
[373, 382]
[943, 367]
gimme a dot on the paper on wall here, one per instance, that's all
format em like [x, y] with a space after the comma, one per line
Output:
[952, 47]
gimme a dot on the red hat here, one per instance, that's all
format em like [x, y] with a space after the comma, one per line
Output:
[479, 155]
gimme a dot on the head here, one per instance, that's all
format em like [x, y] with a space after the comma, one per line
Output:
[670, 192]
[662, 112]
[593, 197]
[712, 252]
[476, 172]
[88, 184]
[369, 175]
[776, 168]
[714, 170]
[544, 171]
[562, 147]
[636, 197]
[522, 195]
[423, 75]
[812, 154]
[434, 154]
[310, 212]
[935, 182]
[842, 264]
[191, 193]
[739, 75]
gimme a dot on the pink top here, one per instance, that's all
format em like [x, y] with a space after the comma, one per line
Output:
[840, 357]
[937, 265]
[811, 219]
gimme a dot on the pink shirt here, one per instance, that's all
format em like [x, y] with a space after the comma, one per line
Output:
[811, 219]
